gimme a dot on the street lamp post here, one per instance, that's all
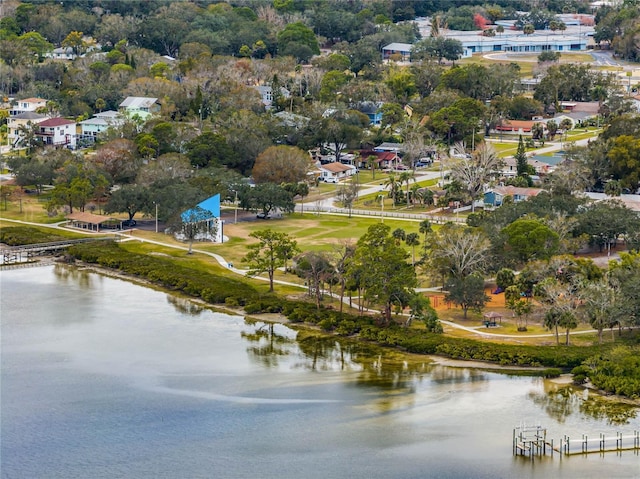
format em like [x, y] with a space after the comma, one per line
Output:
[382, 208]
[235, 208]
[156, 215]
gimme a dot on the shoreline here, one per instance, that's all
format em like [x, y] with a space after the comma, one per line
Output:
[563, 380]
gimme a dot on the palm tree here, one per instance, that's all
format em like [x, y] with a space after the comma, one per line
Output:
[417, 194]
[399, 235]
[528, 29]
[413, 241]
[425, 228]
[407, 177]
[394, 186]
[371, 161]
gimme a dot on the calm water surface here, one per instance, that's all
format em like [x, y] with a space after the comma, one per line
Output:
[105, 379]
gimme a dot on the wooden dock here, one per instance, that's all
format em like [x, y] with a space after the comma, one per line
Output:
[13, 255]
[532, 441]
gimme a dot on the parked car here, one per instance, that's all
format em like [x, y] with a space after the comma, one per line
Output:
[129, 223]
[331, 179]
[263, 216]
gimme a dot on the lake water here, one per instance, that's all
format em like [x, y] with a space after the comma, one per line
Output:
[105, 379]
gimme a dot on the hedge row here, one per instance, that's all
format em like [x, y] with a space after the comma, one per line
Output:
[22, 235]
[423, 342]
[200, 284]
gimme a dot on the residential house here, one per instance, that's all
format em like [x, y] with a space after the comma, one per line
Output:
[61, 53]
[143, 107]
[372, 110]
[630, 201]
[334, 172]
[516, 127]
[266, 94]
[578, 112]
[18, 122]
[384, 159]
[495, 196]
[27, 105]
[57, 132]
[510, 169]
[210, 215]
[89, 129]
[401, 51]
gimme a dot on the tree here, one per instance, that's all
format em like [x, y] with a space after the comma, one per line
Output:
[402, 84]
[340, 132]
[266, 197]
[605, 221]
[399, 235]
[343, 255]
[33, 171]
[457, 251]
[528, 29]
[372, 162]
[552, 129]
[624, 157]
[75, 41]
[347, 194]
[167, 167]
[505, 278]
[437, 47]
[210, 149]
[531, 238]
[413, 240]
[273, 249]
[522, 167]
[297, 33]
[560, 302]
[422, 310]
[380, 267]
[129, 199]
[194, 223]
[467, 292]
[521, 307]
[282, 164]
[117, 157]
[599, 300]
[316, 269]
[407, 177]
[474, 172]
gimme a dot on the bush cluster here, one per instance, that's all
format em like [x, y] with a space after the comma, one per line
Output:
[199, 284]
[616, 371]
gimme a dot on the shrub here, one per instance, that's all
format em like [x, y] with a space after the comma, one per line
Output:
[551, 373]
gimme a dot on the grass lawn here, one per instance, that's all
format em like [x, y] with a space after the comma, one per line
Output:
[26, 207]
[527, 63]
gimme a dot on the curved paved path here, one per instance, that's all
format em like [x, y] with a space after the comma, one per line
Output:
[225, 264]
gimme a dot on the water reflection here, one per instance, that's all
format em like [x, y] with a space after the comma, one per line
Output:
[184, 306]
[267, 345]
[560, 402]
[69, 275]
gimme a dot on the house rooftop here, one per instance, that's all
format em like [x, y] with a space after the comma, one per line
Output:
[517, 191]
[56, 122]
[33, 100]
[138, 102]
[29, 115]
[336, 167]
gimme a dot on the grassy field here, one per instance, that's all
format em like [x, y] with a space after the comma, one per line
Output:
[526, 62]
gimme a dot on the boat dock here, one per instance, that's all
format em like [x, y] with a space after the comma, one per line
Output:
[532, 441]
